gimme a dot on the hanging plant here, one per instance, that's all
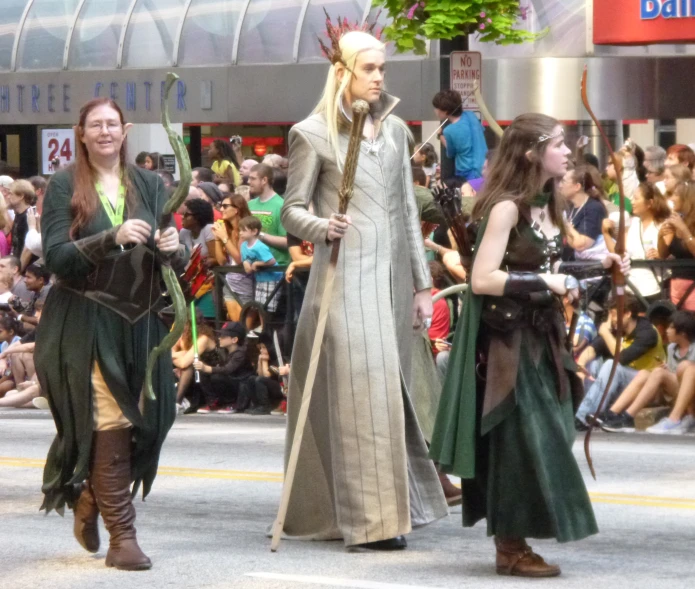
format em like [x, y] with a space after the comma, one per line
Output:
[493, 21]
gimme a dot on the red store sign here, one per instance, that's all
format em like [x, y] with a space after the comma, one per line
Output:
[643, 22]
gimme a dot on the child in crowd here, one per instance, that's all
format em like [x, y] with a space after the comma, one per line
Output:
[9, 330]
[675, 379]
[27, 392]
[223, 385]
[183, 355]
[585, 332]
[642, 350]
[265, 391]
[256, 257]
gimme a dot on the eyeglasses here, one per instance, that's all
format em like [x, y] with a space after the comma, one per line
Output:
[226, 206]
[97, 126]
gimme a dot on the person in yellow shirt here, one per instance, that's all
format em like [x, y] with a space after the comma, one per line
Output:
[642, 349]
[224, 162]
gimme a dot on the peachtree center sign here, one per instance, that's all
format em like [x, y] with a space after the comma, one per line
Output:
[643, 22]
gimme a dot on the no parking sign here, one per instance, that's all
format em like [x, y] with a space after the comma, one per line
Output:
[465, 70]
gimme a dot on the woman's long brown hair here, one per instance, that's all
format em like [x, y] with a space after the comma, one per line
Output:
[203, 329]
[85, 200]
[686, 192]
[680, 174]
[658, 204]
[516, 176]
[590, 179]
[242, 207]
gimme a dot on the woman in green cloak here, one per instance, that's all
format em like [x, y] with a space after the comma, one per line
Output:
[505, 421]
[98, 327]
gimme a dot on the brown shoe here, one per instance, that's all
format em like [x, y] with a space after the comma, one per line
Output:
[452, 494]
[516, 558]
[111, 483]
[86, 529]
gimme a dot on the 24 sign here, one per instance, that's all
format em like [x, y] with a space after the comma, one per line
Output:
[57, 144]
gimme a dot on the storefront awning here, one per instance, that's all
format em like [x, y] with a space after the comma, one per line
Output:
[49, 35]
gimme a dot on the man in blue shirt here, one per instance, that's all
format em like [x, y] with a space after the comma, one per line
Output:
[463, 138]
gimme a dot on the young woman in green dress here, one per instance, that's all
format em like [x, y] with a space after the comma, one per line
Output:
[98, 328]
[505, 420]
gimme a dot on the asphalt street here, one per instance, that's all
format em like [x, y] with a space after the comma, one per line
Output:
[205, 523]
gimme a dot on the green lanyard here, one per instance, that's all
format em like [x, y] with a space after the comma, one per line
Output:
[115, 216]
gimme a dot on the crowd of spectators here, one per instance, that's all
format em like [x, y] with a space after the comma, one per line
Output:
[656, 367]
[231, 220]
[24, 285]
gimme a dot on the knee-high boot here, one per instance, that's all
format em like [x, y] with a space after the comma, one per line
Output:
[85, 528]
[111, 479]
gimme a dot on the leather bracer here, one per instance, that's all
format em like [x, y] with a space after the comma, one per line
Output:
[522, 284]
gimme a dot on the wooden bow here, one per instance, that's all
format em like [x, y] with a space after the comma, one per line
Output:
[494, 125]
[618, 277]
[171, 206]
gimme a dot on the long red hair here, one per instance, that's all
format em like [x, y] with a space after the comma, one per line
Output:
[85, 199]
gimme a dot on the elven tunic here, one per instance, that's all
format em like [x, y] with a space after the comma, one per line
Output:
[363, 472]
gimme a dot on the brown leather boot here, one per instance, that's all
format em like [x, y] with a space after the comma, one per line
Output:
[452, 494]
[85, 528]
[516, 558]
[111, 484]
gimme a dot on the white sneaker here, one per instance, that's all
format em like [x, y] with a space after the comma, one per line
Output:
[181, 407]
[40, 402]
[668, 427]
[688, 423]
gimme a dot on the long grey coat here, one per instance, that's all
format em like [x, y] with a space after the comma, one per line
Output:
[363, 473]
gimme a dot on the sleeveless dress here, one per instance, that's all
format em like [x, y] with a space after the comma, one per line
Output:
[506, 419]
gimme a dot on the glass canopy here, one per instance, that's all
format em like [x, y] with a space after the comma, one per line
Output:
[39, 35]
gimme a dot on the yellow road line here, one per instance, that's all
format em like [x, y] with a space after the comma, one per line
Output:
[277, 477]
[653, 502]
[172, 471]
[609, 496]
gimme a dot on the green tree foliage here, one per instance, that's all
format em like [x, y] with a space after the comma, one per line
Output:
[494, 21]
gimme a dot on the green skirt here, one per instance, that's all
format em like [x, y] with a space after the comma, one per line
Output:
[73, 333]
[527, 482]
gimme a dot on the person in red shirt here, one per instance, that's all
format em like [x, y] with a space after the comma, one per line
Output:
[441, 318]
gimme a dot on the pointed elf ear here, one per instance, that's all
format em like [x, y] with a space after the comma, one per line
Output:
[339, 71]
[78, 134]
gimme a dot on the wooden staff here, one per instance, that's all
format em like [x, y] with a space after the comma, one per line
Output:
[360, 110]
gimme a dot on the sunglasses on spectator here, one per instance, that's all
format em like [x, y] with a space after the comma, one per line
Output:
[225, 206]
